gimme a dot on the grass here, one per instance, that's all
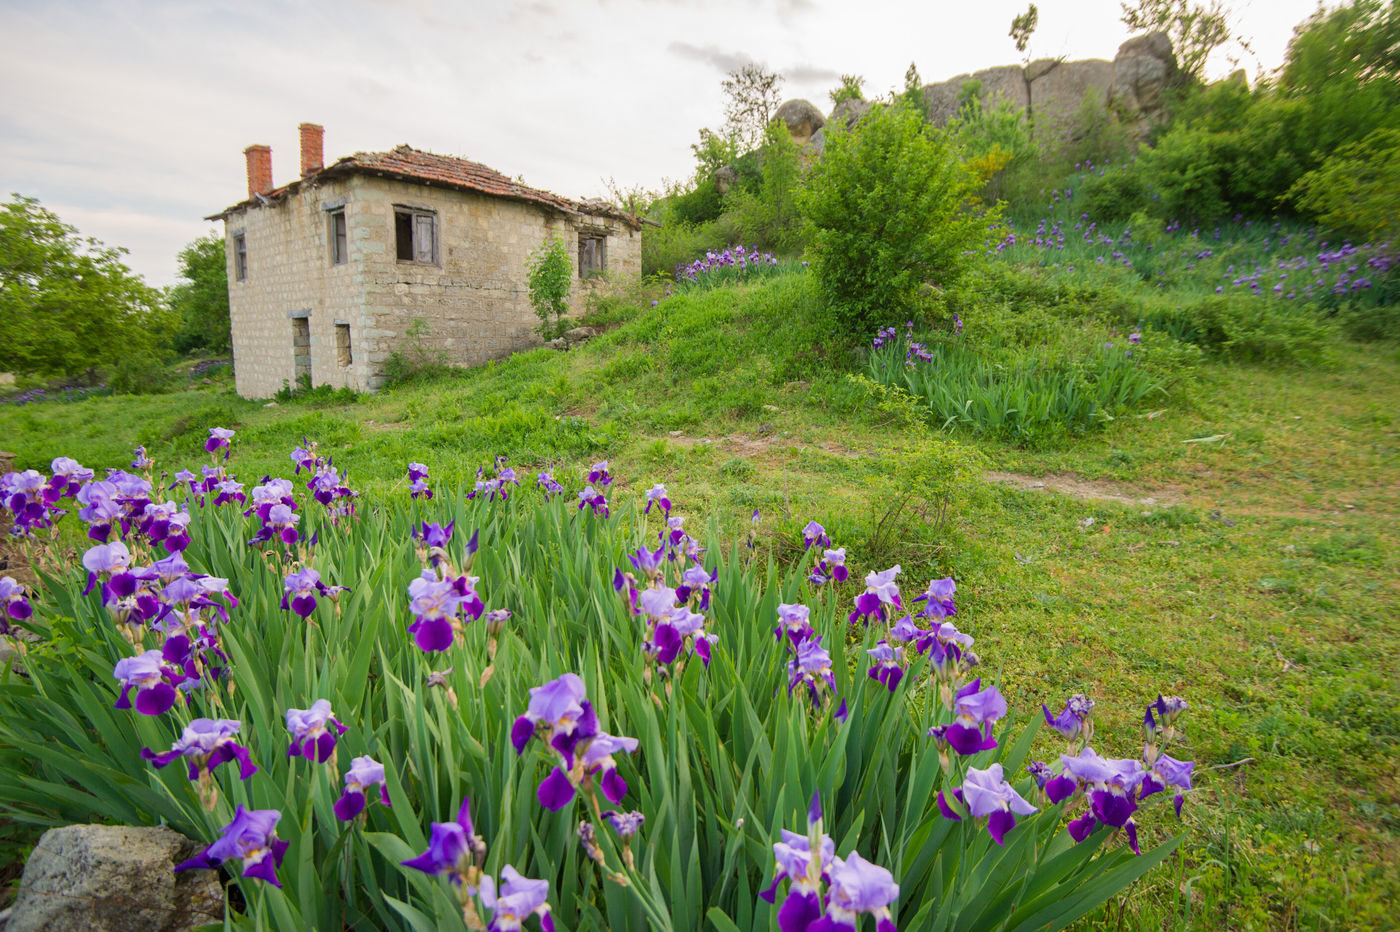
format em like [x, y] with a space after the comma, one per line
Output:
[1266, 594]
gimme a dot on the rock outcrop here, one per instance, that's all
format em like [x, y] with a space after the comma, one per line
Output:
[1144, 69]
[803, 119]
[113, 878]
[1051, 93]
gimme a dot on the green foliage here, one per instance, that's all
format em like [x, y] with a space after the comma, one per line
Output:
[1356, 191]
[992, 139]
[768, 217]
[200, 301]
[68, 306]
[1358, 41]
[920, 481]
[551, 277]
[414, 360]
[913, 94]
[712, 152]
[849, 89]
[891, 207]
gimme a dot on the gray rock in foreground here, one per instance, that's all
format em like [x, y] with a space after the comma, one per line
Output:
[114, 878]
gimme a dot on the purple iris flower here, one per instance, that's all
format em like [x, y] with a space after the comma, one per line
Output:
[1167, 771]
[303, 459]
[281, 522]
[1057, 786]
[435, 604]
[197, 654]
[314, 731]
[546, 484]
[814, 535]
[626, 824]
[517, 899]
[251, 837]
[793, 621]
[887, 669]
[230, 491]
[418, 481]
[301, 589]
[977, 710]
[454, 849]
[140, 460]
[271, 492]
[1110, 785]
[986, 793]
[590, 498]
[98, 508]
[14, 602]
[219, 438]
[694, 580]
[1076, 722]
[559, 713]
[598, 758]
[68, 476]
[832, 565]
[857, 887]
[599, 474]
[153, 679]
[939, 598]
[656, 495]
[435, 536]
[906, 630]
[207, 743]
[364, 773]
[112, 561]
[648, 562]
[880, 598]
[810, 667]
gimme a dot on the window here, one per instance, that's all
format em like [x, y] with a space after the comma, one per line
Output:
[335, 235]
[342, 344]
[240, 257]
[415, 235]
[301, 349]
[592, 254]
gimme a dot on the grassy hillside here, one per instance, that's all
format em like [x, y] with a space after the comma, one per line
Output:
[1232, 538]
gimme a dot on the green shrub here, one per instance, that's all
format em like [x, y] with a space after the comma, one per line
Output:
[1356, 191]
[891, 207]
[414, 360]
[1246, 328]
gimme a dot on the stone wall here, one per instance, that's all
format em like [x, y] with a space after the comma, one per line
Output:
[473, 302]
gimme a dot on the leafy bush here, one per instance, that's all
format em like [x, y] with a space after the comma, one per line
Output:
[1239, 327]
[1356, 191]
[551, 277]
[891, 207]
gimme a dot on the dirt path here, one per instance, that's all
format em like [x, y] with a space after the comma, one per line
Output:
[1083, 489]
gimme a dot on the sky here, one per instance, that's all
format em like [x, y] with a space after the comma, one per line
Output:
[129, 119]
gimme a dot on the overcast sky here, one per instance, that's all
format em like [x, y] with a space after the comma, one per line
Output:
[129, 119]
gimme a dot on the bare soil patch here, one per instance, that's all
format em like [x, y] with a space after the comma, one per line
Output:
[1085, 489]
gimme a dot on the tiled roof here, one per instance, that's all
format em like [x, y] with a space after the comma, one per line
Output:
[415, 165]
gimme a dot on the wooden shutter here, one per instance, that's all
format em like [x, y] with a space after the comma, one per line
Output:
[424, 247]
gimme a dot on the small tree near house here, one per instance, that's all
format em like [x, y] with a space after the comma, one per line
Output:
[551, 275]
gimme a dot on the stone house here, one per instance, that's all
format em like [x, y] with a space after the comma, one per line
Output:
[331, 273]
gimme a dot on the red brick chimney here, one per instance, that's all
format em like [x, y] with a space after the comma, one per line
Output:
[312, 154]
[259, 169]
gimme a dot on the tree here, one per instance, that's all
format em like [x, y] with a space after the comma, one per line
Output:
[551, 275]
[68, 305]
[200, 301]
[1195, 31]
[752, 97]
[913, 95]
[890, 207]
[1022, 26]
[1359, 42]
[849, 89]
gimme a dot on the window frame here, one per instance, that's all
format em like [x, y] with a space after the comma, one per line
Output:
[416, 216]
[240, 256]
[600, 267]
[338, 239]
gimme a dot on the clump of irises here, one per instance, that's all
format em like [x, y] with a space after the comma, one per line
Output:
[561, 716]
[827, 893]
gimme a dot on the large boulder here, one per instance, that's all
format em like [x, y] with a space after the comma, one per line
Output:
[802, 119]
[1003, 83]
[1058, 90]
[1143, 71]
[848, 112]
[113, 878]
